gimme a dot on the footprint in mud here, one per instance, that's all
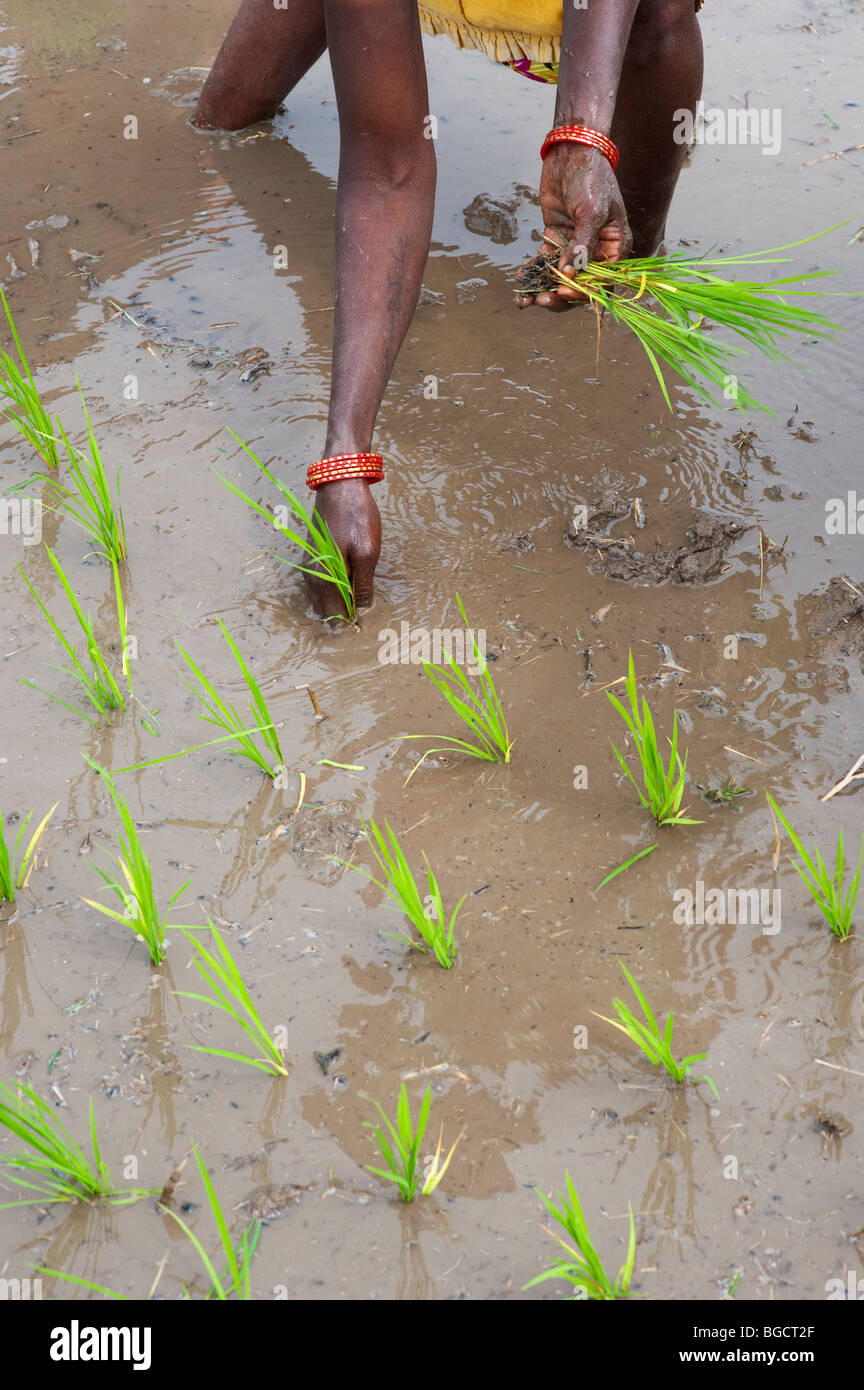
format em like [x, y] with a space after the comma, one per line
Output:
[322, 834]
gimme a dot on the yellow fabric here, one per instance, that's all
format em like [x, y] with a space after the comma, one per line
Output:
[505, 29]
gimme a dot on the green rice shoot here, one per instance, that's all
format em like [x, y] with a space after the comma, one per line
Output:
[646, 1034]
[582, 1266]
[834, 899]
[17, 864]
[51, 1164]
[662, 787]
[236, 1274]
[327, 563]
[133, 886]
[267, 754]
[479, 709]
[93, 674]
[400, 1148]
[87, 497]
[427, 916]
[665, 301]
[20, 402]
[232, 997]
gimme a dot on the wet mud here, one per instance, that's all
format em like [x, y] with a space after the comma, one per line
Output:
[159, 284]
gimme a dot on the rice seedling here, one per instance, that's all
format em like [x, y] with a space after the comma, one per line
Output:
[133, 889]
[232, 998]
[19, 399]
[87, 501]
[480, 711]
[665, 300]
[657, 1046]
[95, 678]
[327, 562]
[52, 1164]
[426, 915]
[17, 865]
[662, 789]
[400, 1148]
[626, 865]
[582, 1266]
[238, 1259]
[224, 715]
[834, 899]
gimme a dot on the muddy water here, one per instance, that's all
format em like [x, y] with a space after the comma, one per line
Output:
[529, 421]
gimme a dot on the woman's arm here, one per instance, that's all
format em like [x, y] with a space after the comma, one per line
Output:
[384, 212]
[579, 194]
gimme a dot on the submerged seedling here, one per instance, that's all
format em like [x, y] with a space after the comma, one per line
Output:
[662, 788]
[52, 1165]
[665, 300]
[834, 899]
[94, 675]
[426, 915]
[224, 715]
[478, 708]
[400, 1148]
[646, 1035]
[86, 497]
[236, 1274]
[20, 402]
[582, 1266]
[17, 865]
[232, 998]
[326, 561]
[133, 889]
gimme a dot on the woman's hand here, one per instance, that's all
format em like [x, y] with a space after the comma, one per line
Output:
[354, 521]
[583, 212]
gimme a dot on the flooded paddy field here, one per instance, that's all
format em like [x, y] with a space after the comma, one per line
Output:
[158, 283]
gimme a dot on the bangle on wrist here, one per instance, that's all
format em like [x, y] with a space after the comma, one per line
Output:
[342, 466]
[581, 135]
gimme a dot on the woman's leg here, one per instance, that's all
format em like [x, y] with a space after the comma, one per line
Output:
[265, 53]
[662, 74]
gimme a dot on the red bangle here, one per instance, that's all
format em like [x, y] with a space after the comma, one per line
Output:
[581, 135]
[342, 466]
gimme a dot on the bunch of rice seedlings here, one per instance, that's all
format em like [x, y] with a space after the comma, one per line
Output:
[401, 887]
[52, 1165]
[134, 888]
[582, 1266]
[235, 1275]
[232, 998]
[646, 1035]
[17, 865]
[19, 398]
[95, 677]
[662, 789]
[400, 1148]
[87, 500]
[480, 712]
[224, 715]
[327, 562]
[834, 899]
[665, 301]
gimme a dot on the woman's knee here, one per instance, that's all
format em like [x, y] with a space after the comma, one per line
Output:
[660, 25]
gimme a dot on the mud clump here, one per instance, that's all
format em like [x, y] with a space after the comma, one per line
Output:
[835, 622]
[493, 217]
[701, 559]
[322, 836]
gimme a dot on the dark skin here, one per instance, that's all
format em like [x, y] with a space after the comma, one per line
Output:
[626, 66]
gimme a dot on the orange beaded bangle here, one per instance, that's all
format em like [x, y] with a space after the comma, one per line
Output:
[581, 135]
[342, 466]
